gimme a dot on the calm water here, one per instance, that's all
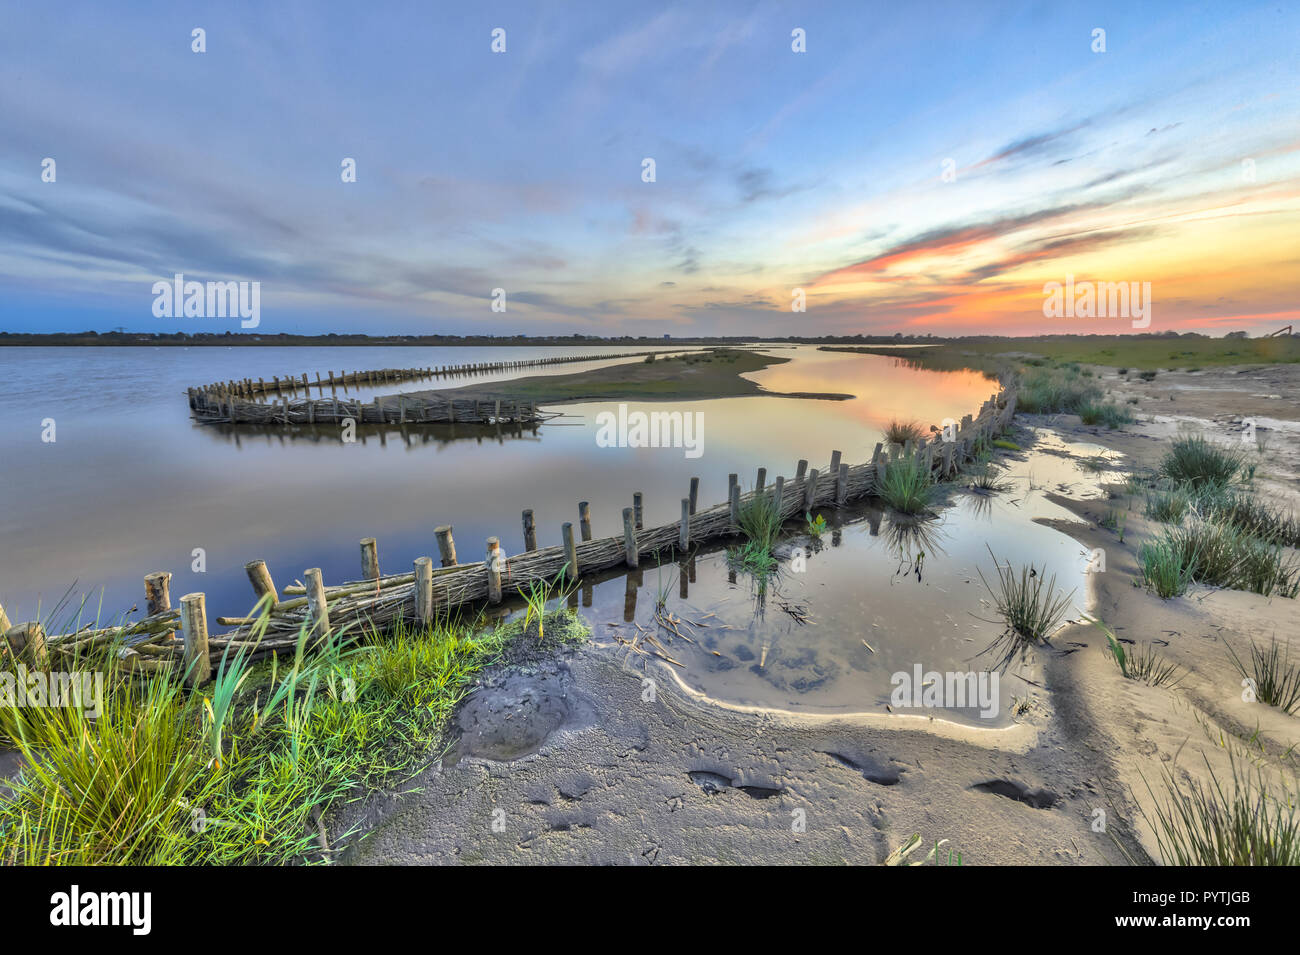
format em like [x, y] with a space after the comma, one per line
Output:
[131, 485]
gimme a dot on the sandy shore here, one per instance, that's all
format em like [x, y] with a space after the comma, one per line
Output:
[566, 760]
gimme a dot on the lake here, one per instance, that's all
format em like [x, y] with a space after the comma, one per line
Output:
[132, 485]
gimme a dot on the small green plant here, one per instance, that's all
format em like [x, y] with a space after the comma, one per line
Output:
[1275, 679]
[536, 594]
[1142, 664]
[1107, 414]
[760, 523]
[1006, 445]
[815, 525]
[1168, 506]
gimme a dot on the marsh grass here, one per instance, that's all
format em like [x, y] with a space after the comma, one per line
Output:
[901, 432]
[1242, 823]
[241, 771]
[1276, 678]
[1220, 555]
[1198, 463]
[1243, 511]
[1169, 505]
[908, 487]
[1030, 606]
[1105, 413]
[1046, 390]
[760, 524]
[1165, 568]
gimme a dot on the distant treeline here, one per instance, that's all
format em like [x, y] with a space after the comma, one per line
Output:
[285, 339]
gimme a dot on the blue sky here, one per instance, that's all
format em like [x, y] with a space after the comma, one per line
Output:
[775, 170]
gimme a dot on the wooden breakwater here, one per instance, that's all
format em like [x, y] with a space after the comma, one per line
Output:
[376, 599]
[236, 401]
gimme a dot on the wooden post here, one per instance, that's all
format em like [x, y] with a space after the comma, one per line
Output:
[732, 482]
[761, 482]
[880, 473]
[530, 531]
[636, 506]
[810, 491]
[261, 580]
[629, 538]
[835, 463]
[800, 471]
[493, 563]
[194, 633]
[735, 507]
[318, 613]
[570, 550]
[778, 495]
[157, 593]
[695, 493]
[842, 484]
[369, 559]
[423, 590]
[446, 545]
[584, 519]
[27, 640]
[684, 535]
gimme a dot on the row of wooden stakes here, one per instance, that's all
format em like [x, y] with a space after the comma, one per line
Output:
[376, 600]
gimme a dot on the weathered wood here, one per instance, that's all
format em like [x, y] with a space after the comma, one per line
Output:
[835, 463]
[446, 545]
[800, 471]
[684, 534]
[570, 550]
[631, 554]
[27, 642]
[261, 580]
[157, 594]
[369, 559]
[734, 511]
[494, 563]
[423, 590]
[636, 507]
[318, 612]
[761, 481]
[584, 519]
[695, 493]
[530, 531]
[194, 635]
[810, 491]
[842, 485]
[778, 495]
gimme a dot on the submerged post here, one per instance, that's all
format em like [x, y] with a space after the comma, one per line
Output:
[446, 545]
[194, 634]
[810, 491]
[157, 593]
[493, 563]
[735, 507]
[423, 590]
[570, 550]
[629, 538]
[318, 614]
[369, 559]
[684, 535]
[530, 531]
[584, 519]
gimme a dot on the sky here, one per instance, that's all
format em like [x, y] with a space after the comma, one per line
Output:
[923, 168]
